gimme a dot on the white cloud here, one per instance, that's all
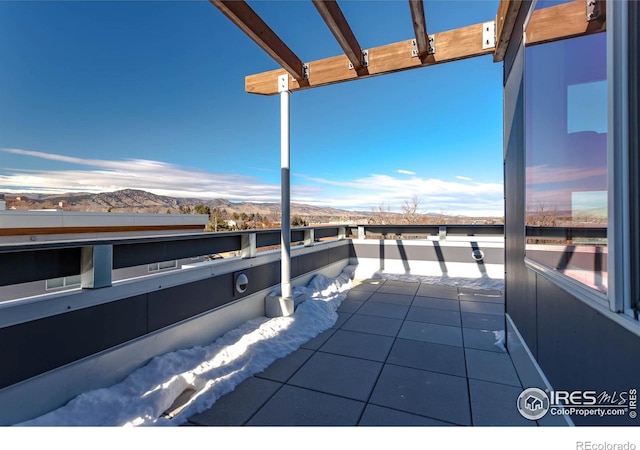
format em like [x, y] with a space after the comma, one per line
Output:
[435, 195]
[154, 176]
[405, 172]
[460, 177]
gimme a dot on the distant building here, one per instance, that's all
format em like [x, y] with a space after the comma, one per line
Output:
[18, 227]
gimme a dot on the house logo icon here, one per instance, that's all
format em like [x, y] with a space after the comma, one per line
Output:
[533, 403]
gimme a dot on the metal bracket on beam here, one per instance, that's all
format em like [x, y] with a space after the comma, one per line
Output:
[305, 71]
[364, 61]
[593, 10]
[488, 35]
[431, 49]
[283, 83]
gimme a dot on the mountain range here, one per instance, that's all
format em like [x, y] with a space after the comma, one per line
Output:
[131, 200]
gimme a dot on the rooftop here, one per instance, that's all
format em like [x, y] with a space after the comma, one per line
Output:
[400, 354]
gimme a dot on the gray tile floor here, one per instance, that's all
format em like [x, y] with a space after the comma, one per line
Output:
[400, 354]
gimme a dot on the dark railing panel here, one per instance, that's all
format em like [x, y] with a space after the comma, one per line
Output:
[267, 238]
[320, 233]
[24, 266]
[567, 233]
[430, 230]
[168, 249]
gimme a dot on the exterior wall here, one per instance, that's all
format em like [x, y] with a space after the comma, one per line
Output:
[576, 346]
[50, 337]
[430, 257]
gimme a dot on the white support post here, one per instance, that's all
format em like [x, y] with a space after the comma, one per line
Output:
[285, 193]
[442, 233]
[97, 264]
[248, 243]
[309, 237]
[361, 232]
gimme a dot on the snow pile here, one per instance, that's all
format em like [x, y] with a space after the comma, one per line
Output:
[211, 371]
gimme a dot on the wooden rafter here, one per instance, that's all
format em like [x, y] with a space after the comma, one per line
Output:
[452, 45]
[419, 27]
[505, 21]
[241, 14]
[562, 22]
[337, 23]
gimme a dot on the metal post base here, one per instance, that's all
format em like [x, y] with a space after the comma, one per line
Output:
[278, 306]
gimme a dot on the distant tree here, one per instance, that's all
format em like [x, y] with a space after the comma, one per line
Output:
[380, 215]
[202, 209]
[410, 210]
[217, 224]
[168, 211]
[298, 221]
[185, 209]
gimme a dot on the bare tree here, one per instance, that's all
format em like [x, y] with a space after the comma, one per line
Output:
[381, 215]
[410, 210]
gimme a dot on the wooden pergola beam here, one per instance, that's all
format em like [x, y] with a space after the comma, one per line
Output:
[419, 27]
[245, 18]
[505, 21]
[562, 22]
[452, 45]
[337, 23]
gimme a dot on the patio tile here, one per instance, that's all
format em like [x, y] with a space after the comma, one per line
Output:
[349, 306]
[483, 321]
[495, 405]
[428, 356]
[237, 407]
[430, 332]
[491, 366]
[358, 296]
[292, 406]
[481, 340]
[482, 308]
[372, 324]
[342, 318]
[339, 375]
[439, 316]
[282, 369]
[367, 285]
[404, 288]
[395, 299]
[316, 342]
[435, 395]
[384, 310]
[378, 416]
[437, 303]
[358, 345]
[438, 291]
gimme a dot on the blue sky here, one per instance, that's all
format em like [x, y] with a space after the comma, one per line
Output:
[99, 96]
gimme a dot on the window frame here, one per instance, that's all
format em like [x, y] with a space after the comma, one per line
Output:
[617, 302]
